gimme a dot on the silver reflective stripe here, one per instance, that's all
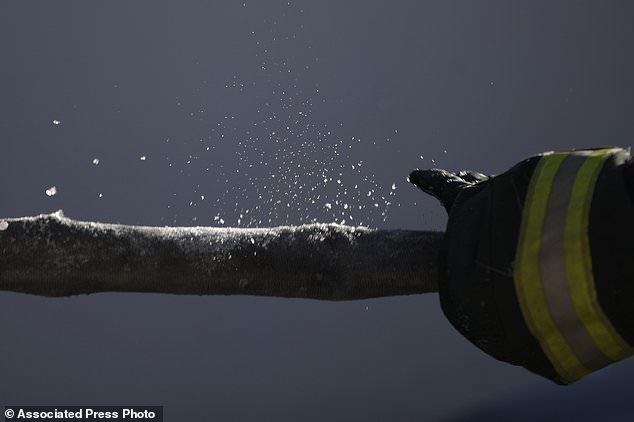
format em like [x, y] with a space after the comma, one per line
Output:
[552, 265]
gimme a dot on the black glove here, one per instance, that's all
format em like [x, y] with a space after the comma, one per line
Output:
[491, 272]
[444, 185]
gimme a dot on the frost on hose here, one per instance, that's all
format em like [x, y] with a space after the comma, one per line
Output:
[54, 255]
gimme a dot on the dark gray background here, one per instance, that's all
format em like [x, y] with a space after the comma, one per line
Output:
[467, 84]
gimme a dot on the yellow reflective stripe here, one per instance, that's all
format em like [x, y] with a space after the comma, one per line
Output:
[579, 262]
[527, 279]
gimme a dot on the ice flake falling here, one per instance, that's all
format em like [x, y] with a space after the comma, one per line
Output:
[295, 174]
[52, 191]
[286, 167]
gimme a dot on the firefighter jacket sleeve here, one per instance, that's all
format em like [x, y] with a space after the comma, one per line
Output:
[536, 268]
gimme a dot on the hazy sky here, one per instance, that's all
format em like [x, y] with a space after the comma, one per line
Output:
[277, 112]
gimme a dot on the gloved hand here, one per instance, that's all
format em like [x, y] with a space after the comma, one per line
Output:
[534, 267]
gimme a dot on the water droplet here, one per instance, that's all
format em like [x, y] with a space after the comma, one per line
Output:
[143, 157]
[56, 122]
